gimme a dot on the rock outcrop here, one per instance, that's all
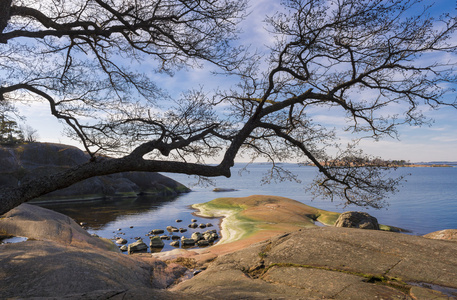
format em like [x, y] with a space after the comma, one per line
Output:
[446, 234]
[22, 162]
[61, 260]
[311, 263]
[332, 263]
[357, 219]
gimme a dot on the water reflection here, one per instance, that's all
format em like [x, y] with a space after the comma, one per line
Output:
[98, 213]
[135, 218]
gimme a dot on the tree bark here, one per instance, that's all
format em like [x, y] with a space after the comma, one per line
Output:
[12, 197]
[5, 6]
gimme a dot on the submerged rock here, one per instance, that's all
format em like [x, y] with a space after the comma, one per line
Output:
[223, 190]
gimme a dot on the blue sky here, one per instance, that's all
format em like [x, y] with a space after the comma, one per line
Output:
[415, 144]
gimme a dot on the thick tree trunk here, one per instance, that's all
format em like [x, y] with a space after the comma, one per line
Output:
[5, 6]
[12, 197]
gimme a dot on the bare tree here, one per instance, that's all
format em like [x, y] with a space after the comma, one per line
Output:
[30, 134]
[76, 54]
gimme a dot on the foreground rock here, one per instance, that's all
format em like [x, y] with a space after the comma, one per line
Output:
[21, 162]
[332, 263]
[61, 260]
[309, 263]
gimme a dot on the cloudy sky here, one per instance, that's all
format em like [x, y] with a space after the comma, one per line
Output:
[416, 144]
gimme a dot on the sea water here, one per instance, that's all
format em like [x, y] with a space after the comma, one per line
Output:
[426, 202]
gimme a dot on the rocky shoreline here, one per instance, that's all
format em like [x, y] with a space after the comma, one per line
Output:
[284, 256]
[22, 162]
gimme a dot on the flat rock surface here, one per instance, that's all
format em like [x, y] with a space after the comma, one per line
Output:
[336, 263]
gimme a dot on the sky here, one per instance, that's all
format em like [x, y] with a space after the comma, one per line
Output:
[415, 144]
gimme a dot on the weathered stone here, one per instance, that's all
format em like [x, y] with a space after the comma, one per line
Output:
[164, 237]
[203, 243]
[208, 237]
[157, 231]
[174, 244]
[196, 236]
[274, 267]
[121, 241]
[175, 237]
[172, 229]
[137, 246]
[356, 219]
[156, 242]
[447, 234]
[187, 242]
[202, 225]
[193, 225]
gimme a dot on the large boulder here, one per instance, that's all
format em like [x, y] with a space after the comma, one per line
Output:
[357, 219]
[42, 224]
[27, 161]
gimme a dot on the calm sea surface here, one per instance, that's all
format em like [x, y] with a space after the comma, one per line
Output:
[427, 202]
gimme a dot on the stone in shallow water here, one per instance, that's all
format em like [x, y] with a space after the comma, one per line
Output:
[187, 242]
[156, 242]
[203, 243]
[120, 240]
[137, 246]
[196, 236]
